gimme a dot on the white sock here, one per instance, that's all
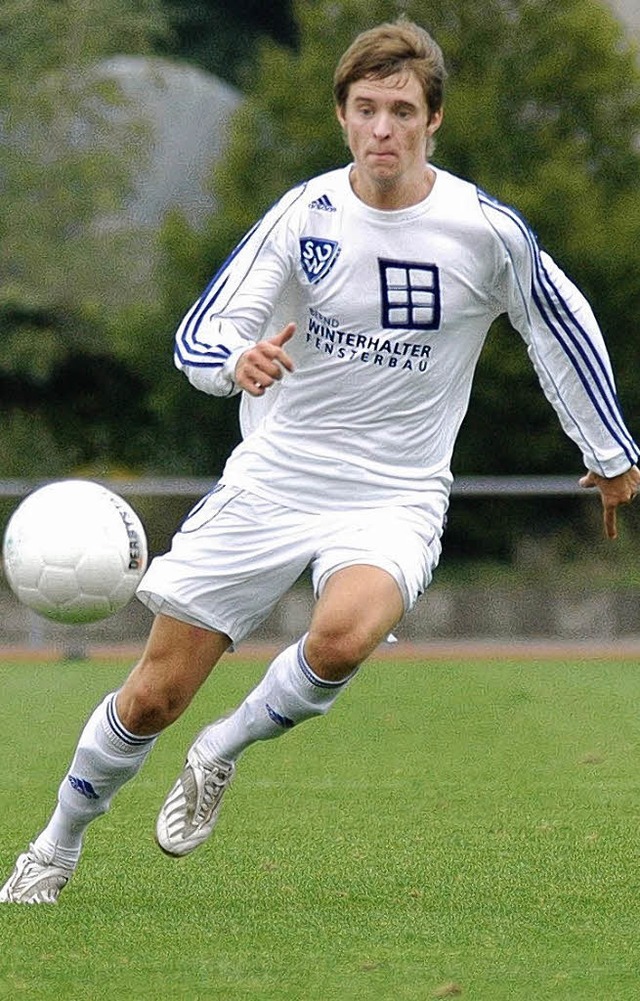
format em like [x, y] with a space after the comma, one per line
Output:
[106, 757]
[289, 693]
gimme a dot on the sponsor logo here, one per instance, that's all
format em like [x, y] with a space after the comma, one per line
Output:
[279, 720]
[322, 204]
[411, 298]
[135, 545]
[383, 351]
[83, 786]
[317, 257]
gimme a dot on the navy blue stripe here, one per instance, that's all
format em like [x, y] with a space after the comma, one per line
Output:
[205, 303]
[189, 334]
[613, 403]
[198, 313]
[197, 364]
[119, 730]
[313, 678]
[619, 433]
[542, 275]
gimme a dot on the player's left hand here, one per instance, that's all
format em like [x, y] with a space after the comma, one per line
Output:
[614, 490]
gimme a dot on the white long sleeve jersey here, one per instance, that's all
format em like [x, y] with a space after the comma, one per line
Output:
[392, 309]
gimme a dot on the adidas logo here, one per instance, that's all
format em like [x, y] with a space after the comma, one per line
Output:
[279, 720]
[83, 786]
[323, 204]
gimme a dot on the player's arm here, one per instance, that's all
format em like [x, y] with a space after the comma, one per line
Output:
[219, 344]
[567, 349]
[570, 357]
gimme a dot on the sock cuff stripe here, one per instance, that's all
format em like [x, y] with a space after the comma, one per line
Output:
[311, 676]
[119, 730]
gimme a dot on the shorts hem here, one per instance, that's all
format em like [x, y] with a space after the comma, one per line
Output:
[162, 606]
[380, 563]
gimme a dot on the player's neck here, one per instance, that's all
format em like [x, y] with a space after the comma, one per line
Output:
[392, 194]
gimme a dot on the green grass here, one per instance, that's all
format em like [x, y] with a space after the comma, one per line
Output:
[449, 830]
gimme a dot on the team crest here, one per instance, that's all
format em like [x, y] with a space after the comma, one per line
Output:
[318, 257]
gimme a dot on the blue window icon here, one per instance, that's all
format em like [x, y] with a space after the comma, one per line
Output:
[410, 295]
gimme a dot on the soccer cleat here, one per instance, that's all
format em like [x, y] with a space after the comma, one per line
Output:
[34, 880]
[190, 811]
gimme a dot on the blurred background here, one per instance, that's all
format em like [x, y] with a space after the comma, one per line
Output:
[138, 142]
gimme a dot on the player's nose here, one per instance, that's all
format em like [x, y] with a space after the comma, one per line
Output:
[382, 125]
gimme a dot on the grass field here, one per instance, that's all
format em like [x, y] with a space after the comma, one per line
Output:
[450, 830]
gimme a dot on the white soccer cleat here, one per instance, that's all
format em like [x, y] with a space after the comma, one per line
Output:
[190, 811]
[34, 880]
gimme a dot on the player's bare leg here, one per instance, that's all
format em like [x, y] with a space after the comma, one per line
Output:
[357, 609]
[177, 660]
[112, 748]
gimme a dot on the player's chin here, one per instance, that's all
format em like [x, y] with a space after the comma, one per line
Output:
[385, 174]
[384, 168]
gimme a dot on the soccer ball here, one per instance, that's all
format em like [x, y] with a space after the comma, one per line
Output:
[74, 551]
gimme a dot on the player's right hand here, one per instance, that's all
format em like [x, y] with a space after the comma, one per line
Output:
[265, 363]
[614, 491]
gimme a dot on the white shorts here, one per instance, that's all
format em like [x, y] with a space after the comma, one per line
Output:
[236, 554]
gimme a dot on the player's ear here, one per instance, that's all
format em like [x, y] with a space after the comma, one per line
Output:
[342, 121]
[435, 121]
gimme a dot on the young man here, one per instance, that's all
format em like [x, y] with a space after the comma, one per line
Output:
[351, 318]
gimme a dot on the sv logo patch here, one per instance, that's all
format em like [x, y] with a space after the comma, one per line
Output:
[318, 257]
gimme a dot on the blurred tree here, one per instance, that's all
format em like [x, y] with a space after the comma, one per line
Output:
[542, 110]
[223, 37]
[61, 178]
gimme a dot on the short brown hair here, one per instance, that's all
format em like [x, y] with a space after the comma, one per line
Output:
[392, 48]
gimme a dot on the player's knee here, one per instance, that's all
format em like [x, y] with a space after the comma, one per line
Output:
[336, 652]
[147, 707]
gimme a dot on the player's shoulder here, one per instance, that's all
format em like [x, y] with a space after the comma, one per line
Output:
[452, 187]
[321, 194]
[325, 192]
[505, 221]
[508, 223]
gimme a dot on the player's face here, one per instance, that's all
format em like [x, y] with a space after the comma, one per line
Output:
[387, 125]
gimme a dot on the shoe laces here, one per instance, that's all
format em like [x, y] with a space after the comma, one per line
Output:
[214, 781]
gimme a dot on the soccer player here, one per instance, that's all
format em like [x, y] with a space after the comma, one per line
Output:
[351, 318]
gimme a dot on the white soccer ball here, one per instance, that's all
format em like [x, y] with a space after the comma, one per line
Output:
[74, 551]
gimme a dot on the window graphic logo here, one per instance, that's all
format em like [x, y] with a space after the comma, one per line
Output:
[410, 295]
